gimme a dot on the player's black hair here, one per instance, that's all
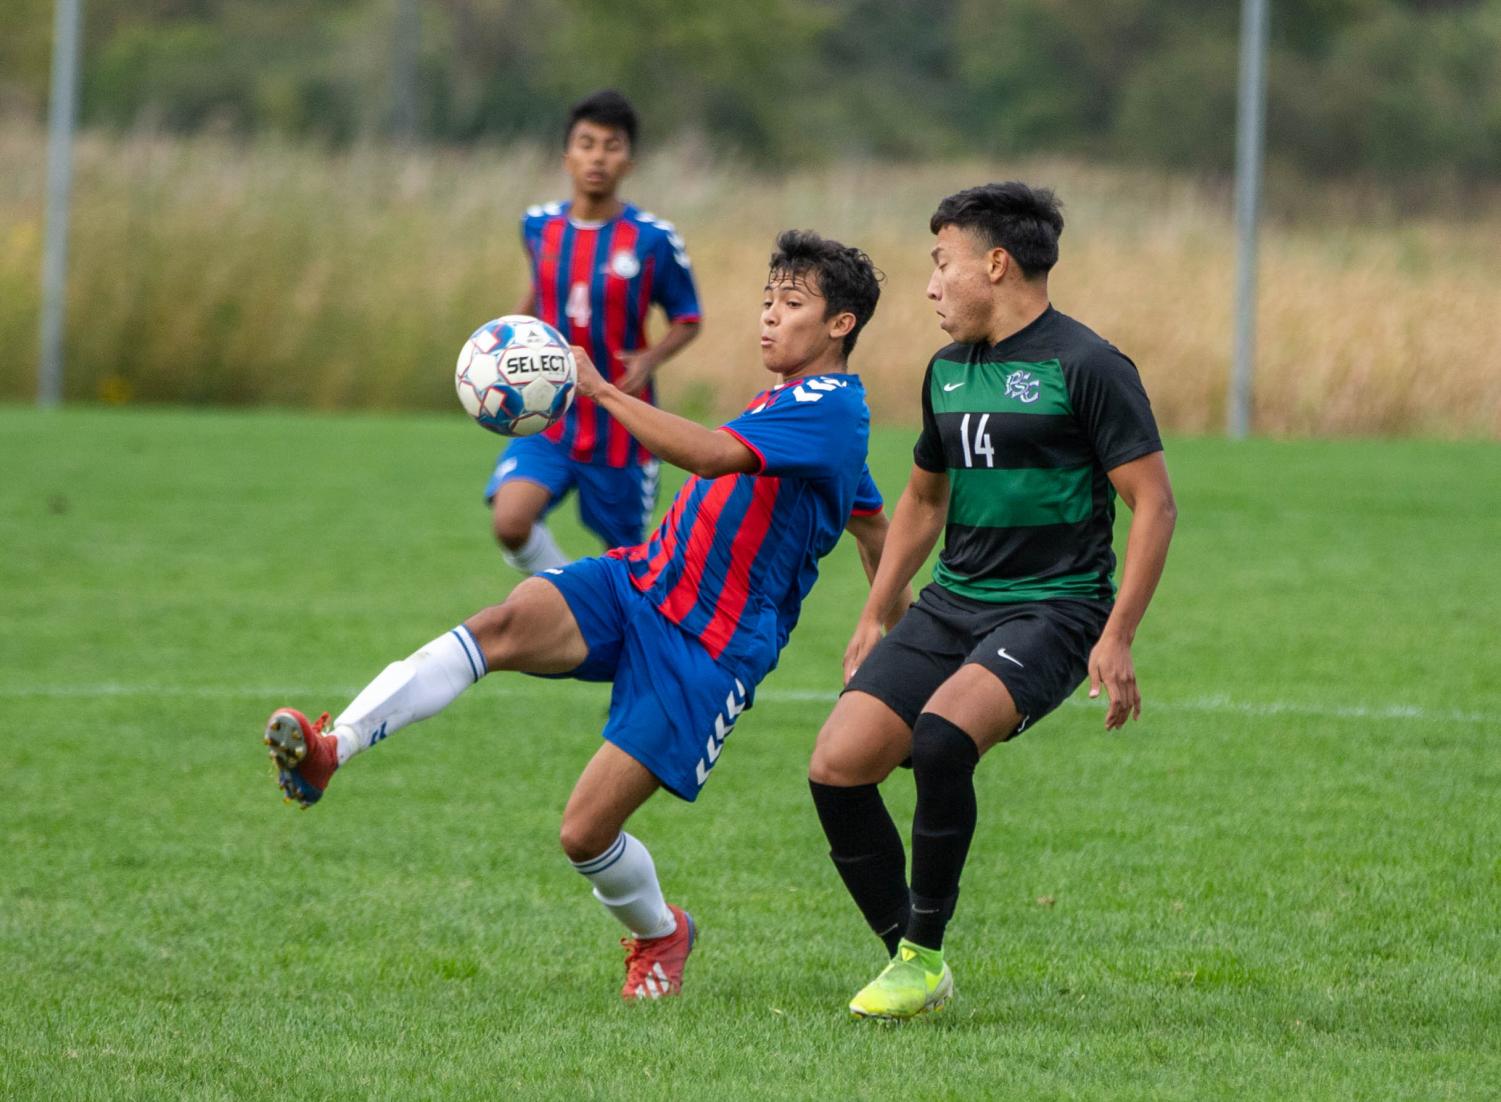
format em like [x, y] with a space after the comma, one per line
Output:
[1025, 221]
[605, 108]
[847, 279]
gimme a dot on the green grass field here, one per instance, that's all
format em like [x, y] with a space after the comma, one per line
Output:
[1283, 882]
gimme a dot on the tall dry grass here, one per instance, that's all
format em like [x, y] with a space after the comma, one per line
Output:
[216, 271]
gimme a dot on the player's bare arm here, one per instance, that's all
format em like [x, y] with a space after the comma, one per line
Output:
[1144, 486]
[870, 533]
[915, 527]
[706, 452]
[642, 364]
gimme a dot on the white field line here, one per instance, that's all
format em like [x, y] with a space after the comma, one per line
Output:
[1214, 705]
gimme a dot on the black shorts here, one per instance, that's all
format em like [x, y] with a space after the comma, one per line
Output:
[1039, 650]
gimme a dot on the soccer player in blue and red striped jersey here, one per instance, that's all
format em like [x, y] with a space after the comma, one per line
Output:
[685, 624]
[597, 266]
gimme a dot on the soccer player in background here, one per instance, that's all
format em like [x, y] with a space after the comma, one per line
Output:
[1031, 425]
[685, 624]
[597, 266]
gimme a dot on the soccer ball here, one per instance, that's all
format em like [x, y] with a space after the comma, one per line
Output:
[515, 375]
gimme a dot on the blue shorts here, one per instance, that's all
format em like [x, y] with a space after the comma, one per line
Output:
[615, 503]
[672, 706]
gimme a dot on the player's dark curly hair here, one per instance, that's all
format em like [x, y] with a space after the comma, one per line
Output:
[1025, 221]
[605, 108]
[847, 279]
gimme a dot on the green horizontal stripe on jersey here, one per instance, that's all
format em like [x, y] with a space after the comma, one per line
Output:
[983, 497]
[999, 387]
[1089, 586]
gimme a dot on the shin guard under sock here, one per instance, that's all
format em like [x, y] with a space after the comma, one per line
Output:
[943, 763]
[867, 850]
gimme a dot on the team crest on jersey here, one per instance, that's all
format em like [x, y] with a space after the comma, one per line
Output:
[625, 264]
[1023, 386]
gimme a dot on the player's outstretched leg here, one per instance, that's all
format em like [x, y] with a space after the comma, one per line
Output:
[418, 686]
[532, 630]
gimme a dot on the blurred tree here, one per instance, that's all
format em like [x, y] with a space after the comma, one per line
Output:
[739, 73]
[1179, 109]
[25, 54]
[887, 74]
[184, 65]
[1400, 87]
[1051, 74]
[487, 63]
[1420, 94]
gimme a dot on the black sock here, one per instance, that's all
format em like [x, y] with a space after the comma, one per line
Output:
[943, 763]
[867, 851]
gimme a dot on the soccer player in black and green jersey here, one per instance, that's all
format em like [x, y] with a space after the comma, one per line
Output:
[1032, 425]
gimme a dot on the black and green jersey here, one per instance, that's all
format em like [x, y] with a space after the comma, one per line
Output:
[1026, 430]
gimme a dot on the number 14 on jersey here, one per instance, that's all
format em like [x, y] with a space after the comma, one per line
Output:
[981, 446]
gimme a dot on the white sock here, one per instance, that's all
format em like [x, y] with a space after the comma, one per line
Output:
[409, 690]
[625, 881]
[540, 552]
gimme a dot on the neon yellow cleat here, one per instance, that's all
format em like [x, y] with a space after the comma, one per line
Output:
[917, 981]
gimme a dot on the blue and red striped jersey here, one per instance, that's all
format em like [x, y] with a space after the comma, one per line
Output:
[736, 555]
[595, 282]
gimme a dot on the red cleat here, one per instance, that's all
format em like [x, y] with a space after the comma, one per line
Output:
[654, 966]
[305, 757]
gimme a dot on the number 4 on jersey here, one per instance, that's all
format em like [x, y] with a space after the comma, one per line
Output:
[982, 444]
[578, 305]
